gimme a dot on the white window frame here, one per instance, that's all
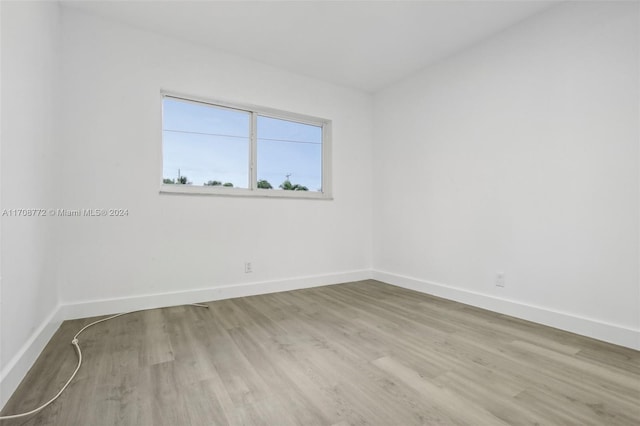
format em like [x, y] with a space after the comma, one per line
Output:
[253, 190]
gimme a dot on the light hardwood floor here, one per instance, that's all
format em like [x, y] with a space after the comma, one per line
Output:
[349, 354]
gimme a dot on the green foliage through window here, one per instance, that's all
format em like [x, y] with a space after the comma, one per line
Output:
[288, 186]
[264, 184]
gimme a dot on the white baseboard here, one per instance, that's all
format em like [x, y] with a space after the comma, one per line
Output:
[92, 308]
[611, 333]
[17, 368]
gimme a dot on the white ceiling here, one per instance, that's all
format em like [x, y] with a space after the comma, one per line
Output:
[364, 45]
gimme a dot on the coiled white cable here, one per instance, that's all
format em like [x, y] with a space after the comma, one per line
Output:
[76, 345]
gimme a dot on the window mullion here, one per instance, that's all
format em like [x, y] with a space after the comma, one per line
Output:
[253, 152]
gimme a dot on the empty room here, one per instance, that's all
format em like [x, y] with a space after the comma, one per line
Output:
[319, 213]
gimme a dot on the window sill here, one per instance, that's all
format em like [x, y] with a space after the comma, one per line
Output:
[242, 192]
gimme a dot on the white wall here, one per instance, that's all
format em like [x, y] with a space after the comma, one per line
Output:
[109, 156]
[30, 35]
[519, 155]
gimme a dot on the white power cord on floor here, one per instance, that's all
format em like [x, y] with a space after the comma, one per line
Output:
[76, 345]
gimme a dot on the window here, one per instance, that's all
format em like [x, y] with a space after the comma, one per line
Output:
[225, 149]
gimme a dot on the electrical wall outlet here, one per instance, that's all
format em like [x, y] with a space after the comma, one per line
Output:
[500, 279]
[248, 268]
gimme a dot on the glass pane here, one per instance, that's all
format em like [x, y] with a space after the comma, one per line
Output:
[289, 154]
[205, 145]
[180, 115]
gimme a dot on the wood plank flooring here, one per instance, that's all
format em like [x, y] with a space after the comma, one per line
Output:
[351, 354]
